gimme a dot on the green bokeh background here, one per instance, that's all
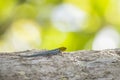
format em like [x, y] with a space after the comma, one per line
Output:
[26, 24]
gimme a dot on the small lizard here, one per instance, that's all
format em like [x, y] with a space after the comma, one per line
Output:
[46, 53]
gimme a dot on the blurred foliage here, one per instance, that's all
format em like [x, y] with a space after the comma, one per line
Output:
[28, 24]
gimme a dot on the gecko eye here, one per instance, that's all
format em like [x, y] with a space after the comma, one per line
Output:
[62, 48]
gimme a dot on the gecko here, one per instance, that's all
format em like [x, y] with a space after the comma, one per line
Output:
[47, 53]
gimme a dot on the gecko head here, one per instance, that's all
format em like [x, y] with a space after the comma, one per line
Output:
[62, 48]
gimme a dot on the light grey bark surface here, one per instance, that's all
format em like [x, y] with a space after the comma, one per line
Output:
[77, 65]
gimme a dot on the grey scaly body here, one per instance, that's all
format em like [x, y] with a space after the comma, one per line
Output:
[47, 53]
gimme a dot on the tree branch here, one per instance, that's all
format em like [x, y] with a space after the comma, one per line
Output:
[78, 65]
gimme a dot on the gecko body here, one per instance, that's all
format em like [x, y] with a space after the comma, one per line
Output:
[47, 53]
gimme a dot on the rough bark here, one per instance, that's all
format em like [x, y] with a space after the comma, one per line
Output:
[77, 65]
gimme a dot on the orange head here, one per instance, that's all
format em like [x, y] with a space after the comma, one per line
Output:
[62, 48]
